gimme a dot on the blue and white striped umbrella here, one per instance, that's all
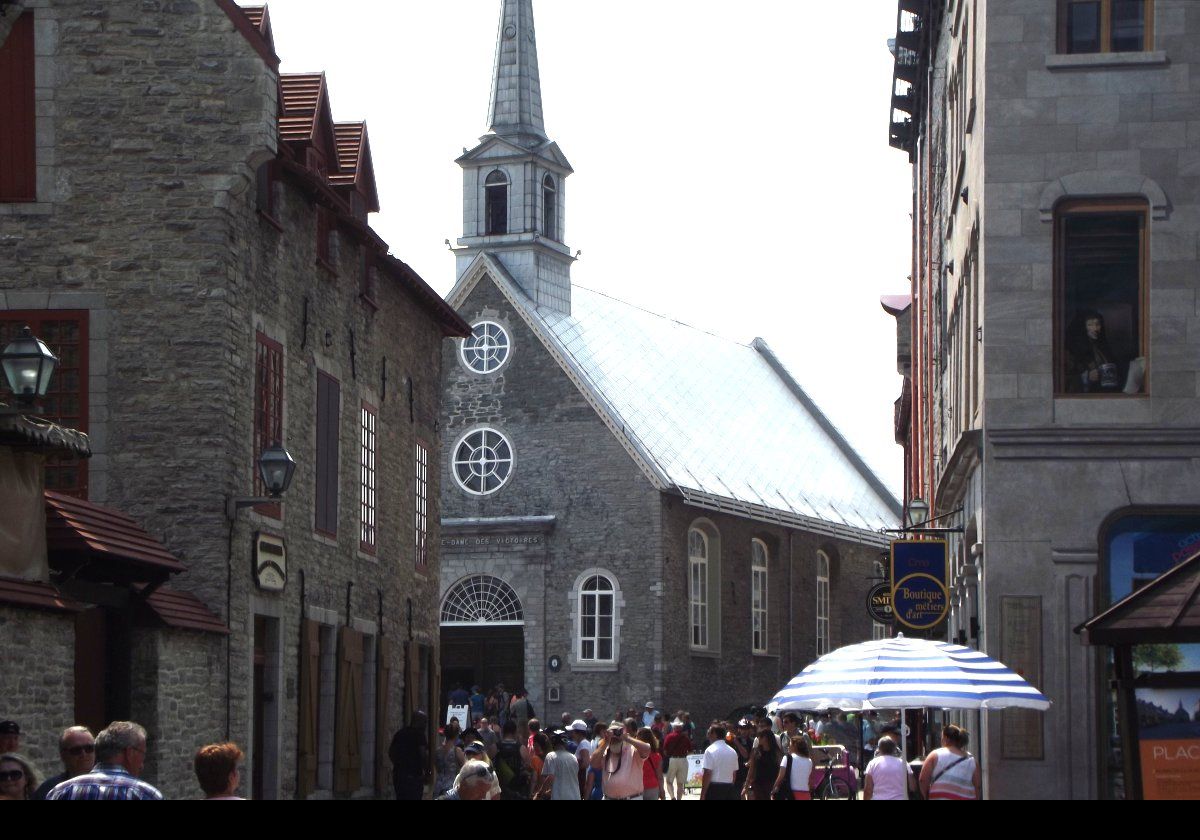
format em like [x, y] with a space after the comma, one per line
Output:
[905, 673]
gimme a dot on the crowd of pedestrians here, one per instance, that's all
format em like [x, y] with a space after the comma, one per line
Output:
[107, 766]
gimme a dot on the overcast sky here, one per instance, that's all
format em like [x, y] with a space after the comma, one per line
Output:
[731, 162]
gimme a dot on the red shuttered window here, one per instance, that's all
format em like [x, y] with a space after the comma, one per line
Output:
[329, 400]
[268, 410]
[368, 418]
[65, 332]
[422, 505]
[18, 141]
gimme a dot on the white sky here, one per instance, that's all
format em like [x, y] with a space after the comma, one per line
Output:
[731, 162]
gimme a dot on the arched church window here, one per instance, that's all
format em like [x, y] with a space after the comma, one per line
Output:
[483, 461]
[482, 599]
[822, 603]
[597, 612]
[758, 595]
[698, 572]
[486, 350]
[549, 207]
[496, 194]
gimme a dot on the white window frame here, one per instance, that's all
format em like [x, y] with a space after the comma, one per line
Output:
[879, 631]
[497, 343]
[456, 462]
[578, 600]
[698, 594]
[760, 558]
[822, 603]
[421, 505]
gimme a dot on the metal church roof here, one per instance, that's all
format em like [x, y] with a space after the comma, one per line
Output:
[722, 423]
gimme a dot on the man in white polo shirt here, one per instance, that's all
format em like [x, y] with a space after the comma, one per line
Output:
[720, 766]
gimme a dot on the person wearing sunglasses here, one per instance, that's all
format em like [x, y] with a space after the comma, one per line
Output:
[77, 749]
[18, 779]
[473, 783]
[120, 757]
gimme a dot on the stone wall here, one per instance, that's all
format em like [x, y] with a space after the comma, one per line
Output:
[37, 680]
[710, 684]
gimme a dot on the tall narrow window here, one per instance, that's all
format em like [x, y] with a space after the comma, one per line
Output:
[366, 465]
[329, 399]
[549, 207]
[596, 614]
[327, 240]
[698, 572]
[822, 604]
[758, 595]
[268, 410]
[18, 140]
[65, 332]
[370, 278]
[421, 526]
[496, 194]
[1101, 26]
[1100, 289]
[878, 630]
[268, 190]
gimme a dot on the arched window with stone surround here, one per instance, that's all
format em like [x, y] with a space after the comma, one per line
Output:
[597, 610]
[822, 603]
[496, 203]
[482, 599]
[698, 577]
[549, 207]
[759, 557]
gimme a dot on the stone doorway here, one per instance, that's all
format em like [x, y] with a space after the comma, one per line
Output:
[482, 637]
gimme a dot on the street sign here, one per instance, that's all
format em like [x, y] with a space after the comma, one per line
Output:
[879, 603]
[920, 599]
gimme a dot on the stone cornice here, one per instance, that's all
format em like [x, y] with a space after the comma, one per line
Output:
[1126, 443]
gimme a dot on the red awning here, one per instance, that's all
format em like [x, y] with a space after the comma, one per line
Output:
[104, 544]
[183, 611]
[36, 595]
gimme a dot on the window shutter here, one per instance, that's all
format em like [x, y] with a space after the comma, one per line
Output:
[412, 679]
[328, 409]
[383, 671]
[347, 767]
[310, 670]
[18, 140]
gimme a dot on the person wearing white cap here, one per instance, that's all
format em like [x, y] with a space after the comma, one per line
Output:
[578, 732]
[676, 747]
[648, 715]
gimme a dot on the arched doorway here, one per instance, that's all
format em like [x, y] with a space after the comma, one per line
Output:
[483, 635]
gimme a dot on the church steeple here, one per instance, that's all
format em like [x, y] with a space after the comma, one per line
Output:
[516, 103]
[514, 181]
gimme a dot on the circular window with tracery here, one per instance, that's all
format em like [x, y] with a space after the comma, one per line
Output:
[482, 599]
[483, 461]
[487, 349]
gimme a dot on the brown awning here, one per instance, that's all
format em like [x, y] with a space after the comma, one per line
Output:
[1164, 611]
[36, 595]
[101, 544]
[183, 611]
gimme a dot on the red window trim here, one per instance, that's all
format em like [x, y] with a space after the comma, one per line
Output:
[262, 438]
[34, 318]
[373, 471]
[421, 551]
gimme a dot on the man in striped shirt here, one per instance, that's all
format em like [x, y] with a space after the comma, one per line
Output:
[120, 755]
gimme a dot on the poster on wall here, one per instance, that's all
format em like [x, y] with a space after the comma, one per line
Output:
[1169, 742]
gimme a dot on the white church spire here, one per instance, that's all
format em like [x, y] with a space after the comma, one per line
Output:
[516, 103]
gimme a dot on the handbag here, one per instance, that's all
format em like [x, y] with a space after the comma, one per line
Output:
[785, 793]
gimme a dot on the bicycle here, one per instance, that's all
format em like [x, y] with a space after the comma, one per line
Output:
[831, 786]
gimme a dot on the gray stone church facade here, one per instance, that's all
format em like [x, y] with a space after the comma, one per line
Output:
[632, 509]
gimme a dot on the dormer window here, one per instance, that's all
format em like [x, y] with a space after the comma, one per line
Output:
[496, 190]
[549, 207]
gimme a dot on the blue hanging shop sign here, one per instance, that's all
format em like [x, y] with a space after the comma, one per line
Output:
[920, 598]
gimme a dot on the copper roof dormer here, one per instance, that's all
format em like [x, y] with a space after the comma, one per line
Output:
[356, 171]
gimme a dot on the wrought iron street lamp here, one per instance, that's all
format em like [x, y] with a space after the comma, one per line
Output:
[275, 466]
[916, 514]
[28, 365]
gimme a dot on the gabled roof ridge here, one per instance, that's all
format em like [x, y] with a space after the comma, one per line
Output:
[661, 316]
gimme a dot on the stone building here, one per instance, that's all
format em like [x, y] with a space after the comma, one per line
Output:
[633, 510]
[1050, 341]
[193, 228]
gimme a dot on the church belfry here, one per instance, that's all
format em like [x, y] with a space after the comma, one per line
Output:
[514, 181]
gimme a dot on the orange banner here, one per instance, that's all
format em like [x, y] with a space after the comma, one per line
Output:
[1171, 769]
